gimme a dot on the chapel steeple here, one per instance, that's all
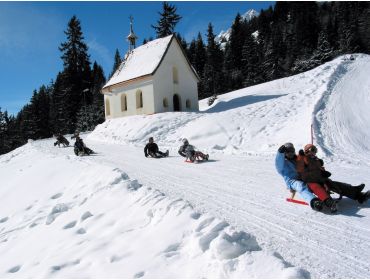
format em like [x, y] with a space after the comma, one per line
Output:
[131, 37]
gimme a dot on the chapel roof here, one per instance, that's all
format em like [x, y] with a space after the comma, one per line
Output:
[143, 61]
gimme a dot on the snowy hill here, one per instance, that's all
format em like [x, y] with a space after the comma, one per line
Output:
[119, 214]
[224, 36]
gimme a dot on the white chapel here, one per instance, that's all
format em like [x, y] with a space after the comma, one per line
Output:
[153, 78]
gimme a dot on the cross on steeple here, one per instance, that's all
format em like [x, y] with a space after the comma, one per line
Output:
[132, 37]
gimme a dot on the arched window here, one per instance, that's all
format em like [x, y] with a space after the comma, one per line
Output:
[107, 107]
[165, 102]
[176, 103]
[188, 104]
[175, 75]
[139, 99]
[123, 102]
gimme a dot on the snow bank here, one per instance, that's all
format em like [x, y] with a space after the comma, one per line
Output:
[79, 219]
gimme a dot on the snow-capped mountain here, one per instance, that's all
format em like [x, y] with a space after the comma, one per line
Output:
[224, 36]
[117, 214]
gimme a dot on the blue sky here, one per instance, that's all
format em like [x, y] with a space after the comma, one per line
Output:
[31, 32]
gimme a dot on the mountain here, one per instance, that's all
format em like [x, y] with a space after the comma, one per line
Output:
[118, 214]
[224, 36]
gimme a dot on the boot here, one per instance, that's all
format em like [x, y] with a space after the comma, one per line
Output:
[331, 204]
[316, 204]
[359, 187]
[363, 197]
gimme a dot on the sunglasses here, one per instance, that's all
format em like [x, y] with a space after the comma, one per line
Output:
[312, 150]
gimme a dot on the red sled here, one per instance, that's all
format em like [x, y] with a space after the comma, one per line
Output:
[296, 201]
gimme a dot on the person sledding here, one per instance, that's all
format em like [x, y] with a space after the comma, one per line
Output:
[151, 149]
[285, 163]
[188, 151]
[311, 170]
[61, 140]
[76, 134]
[80, 148]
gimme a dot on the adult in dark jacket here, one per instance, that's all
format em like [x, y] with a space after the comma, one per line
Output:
[151, 149]
[188, 151]
[311, 170]
[61, 140]
[80, 148]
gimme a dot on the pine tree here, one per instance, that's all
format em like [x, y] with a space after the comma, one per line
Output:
[251, 69]
[213, 66]
[75, 79]
[324, 51]
[167, 22]
[117, 62]
[89, 116]
[191, 52]
[200, 55]
[236, 41]
[183, 42]
[199, 61]
[3, 131]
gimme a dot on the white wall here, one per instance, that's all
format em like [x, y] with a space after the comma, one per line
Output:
[130, 91]
[163, 81]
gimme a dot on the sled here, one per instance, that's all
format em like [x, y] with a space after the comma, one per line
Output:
[296, 201]
[189, 161]
[291, 199]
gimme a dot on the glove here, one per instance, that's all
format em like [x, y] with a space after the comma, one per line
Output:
[282, 149]
[146, 155]
[321, 162]
[325, 173]
[301, 152]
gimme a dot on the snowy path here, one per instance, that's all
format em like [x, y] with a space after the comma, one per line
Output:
[239, 185]
[247, 192]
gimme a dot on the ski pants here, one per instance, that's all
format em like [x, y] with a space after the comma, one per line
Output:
[158, 154]
[319, 191]
[343, 189]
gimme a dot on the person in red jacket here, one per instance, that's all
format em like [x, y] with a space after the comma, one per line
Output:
[311, 170]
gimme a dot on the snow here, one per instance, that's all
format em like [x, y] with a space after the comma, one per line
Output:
[118, 214]
[141, 61]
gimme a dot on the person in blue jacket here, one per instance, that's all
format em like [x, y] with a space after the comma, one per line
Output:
[285, 163]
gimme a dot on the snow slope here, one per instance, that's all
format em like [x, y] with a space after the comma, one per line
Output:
[118, 214]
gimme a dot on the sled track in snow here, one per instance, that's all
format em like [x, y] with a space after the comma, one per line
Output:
[246, 207]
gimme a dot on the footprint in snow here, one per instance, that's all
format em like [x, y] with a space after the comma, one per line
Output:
[14, 269]
[81, 231]
[195, 215]
[139, 274]
[172, 250]
[29, 207]
[55, 196]
[3, 220]
[70, 225]
[86, 215]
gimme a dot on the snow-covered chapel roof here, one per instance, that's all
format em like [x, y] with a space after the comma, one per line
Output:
[142, 61]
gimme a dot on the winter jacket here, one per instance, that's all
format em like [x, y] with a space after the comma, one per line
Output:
[187, 151]
[61, 139]
[151, 148]
[310, 169]
[287, 169]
